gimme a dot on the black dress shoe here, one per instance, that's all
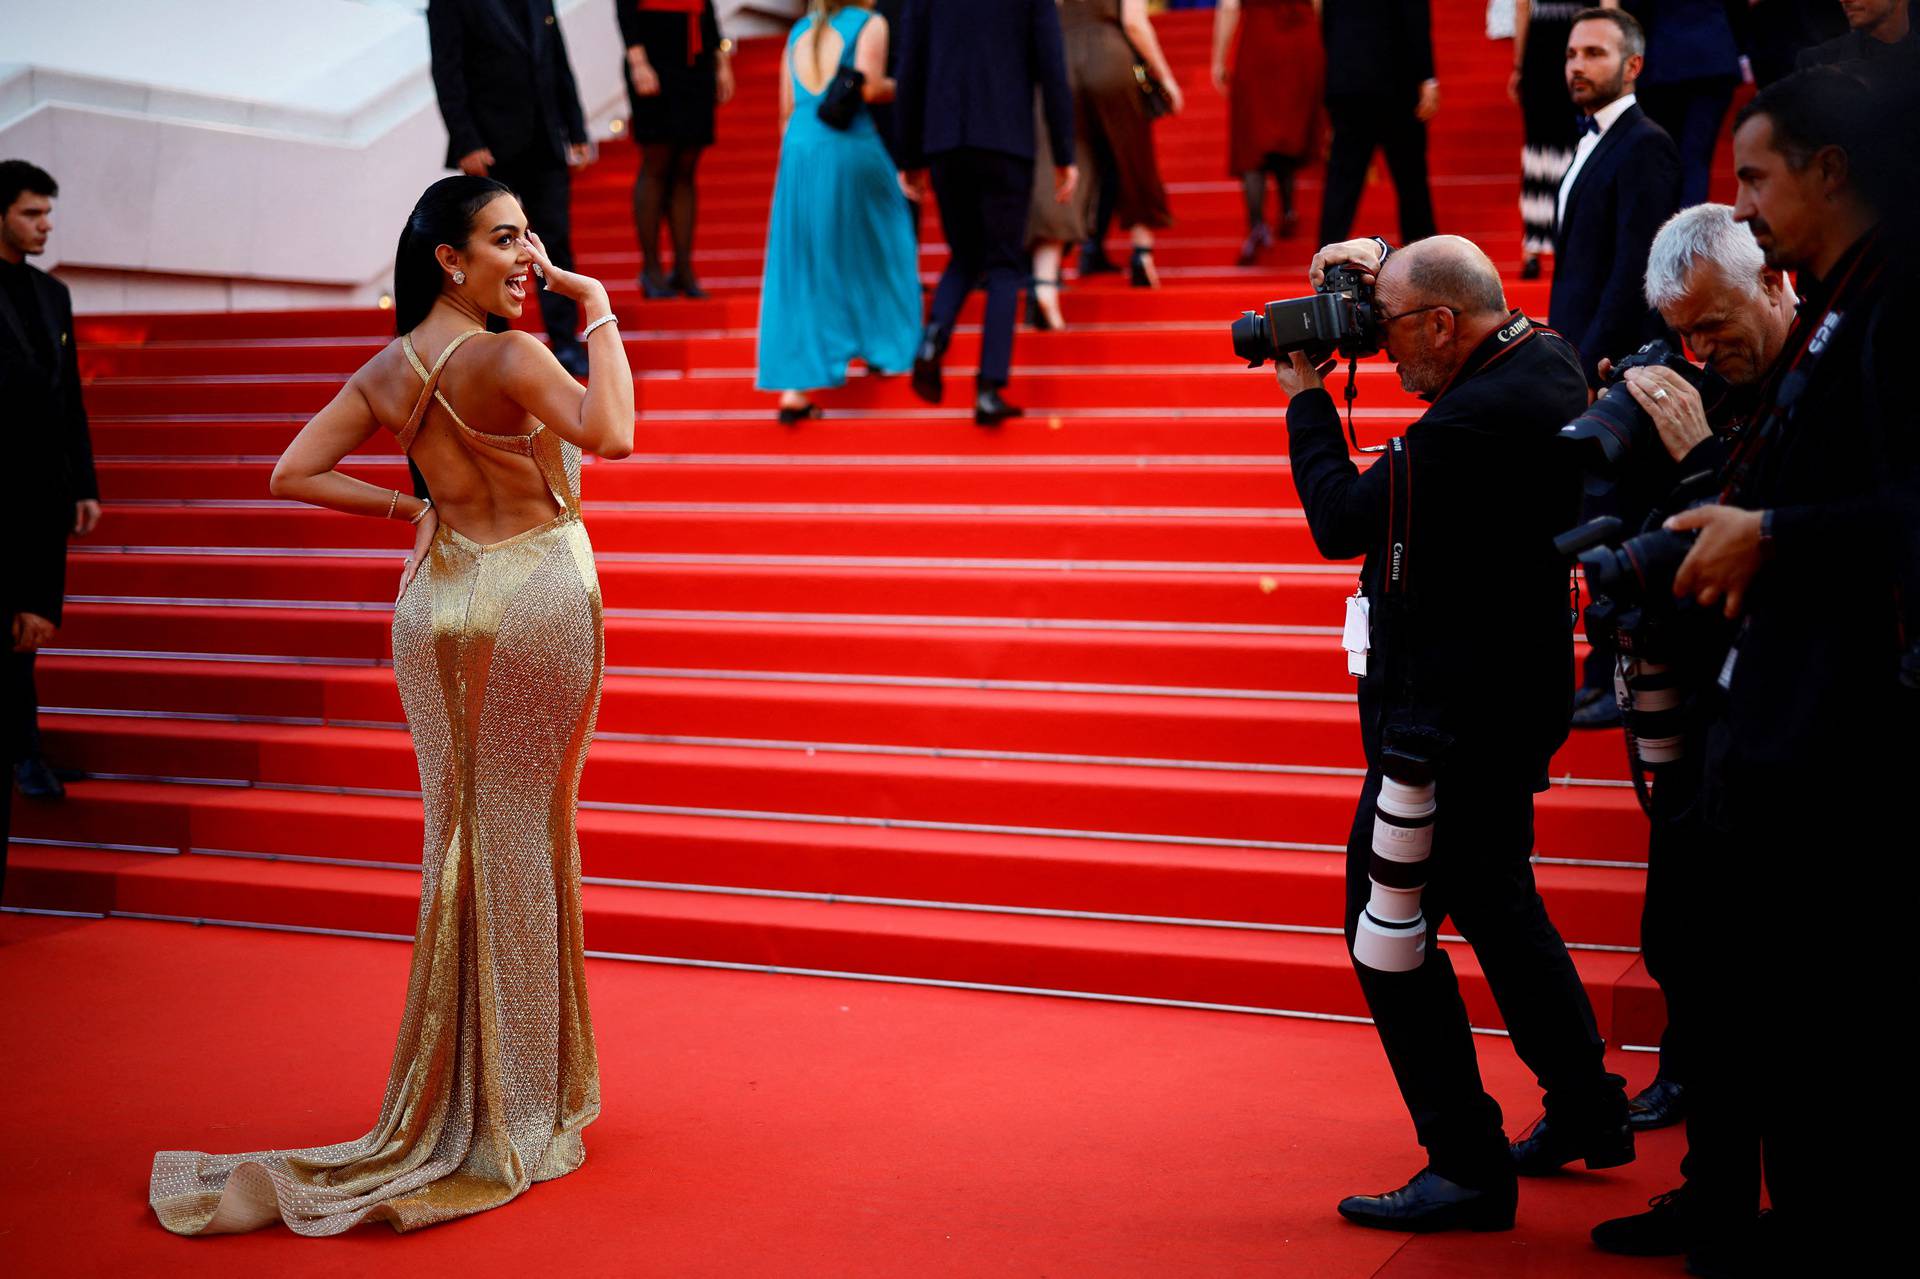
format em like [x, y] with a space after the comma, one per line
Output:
[1549, 1148]
[36, 780]
[1660, 1104]
[572, 357]
[1661, 1231]
[1530, 268]
[926, 379]
[991, 410]
[1430, 1202]
[1595, 708]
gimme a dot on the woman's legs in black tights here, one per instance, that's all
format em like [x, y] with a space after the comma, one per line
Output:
[1253, 184]
[1282, 168]
[649, 205]
[682, 207]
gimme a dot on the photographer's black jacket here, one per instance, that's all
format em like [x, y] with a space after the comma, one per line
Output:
[1812, 684]
[1492, 645]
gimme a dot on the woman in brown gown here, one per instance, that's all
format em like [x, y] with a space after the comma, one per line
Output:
[497, 648]
[1102, 37]
[1273, 75]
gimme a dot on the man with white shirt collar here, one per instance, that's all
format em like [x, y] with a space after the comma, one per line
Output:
[1624, 183]
[1623, 186]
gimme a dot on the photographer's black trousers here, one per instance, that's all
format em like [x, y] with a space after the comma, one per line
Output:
[1479, 874]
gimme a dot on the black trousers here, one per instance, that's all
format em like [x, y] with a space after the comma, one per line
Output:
[545, 188]
[1480, 875]
[1669, 917]
[983, 198]
[1363, 124]
[1797, 1067]
[1691, 111]
[21, 732]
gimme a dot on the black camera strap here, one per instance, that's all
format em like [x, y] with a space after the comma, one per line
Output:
[1808, 342]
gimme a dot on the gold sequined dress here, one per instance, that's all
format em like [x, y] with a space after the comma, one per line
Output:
[498, 652]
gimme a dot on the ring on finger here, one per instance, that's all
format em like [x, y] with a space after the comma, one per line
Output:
[1659, 392]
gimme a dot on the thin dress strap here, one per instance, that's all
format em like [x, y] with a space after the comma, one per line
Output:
[431, 391]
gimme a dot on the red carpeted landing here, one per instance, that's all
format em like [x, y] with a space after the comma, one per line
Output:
[754, 1126]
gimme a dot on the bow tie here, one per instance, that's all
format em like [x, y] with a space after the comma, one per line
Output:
[1587, 124]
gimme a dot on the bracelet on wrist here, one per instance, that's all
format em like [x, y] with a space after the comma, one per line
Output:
[587, 332]
[392, 504]
[426, 504]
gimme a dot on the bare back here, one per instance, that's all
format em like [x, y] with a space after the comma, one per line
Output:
[478, 448]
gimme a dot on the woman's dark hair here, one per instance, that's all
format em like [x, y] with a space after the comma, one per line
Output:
[444, 215]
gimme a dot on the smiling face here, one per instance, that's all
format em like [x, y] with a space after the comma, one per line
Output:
[27, 223]
[1598, 70]
[1735, 328]
[496, 259]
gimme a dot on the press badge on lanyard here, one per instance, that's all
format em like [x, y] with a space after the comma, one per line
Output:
[1357, 636]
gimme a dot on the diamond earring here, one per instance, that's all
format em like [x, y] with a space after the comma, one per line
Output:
[459, 277]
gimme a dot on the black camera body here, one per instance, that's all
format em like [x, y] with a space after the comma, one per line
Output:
[1339, 318]
[1615, 429]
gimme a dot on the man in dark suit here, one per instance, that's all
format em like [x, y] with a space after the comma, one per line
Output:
[1381, 92]
[1693, 67]
[507, 94]
[50, 492]
[1624, 183]
[965, 111]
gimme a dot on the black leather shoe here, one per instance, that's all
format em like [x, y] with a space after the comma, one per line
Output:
[927, 382]
[1660, 1104]
[991, 410]
[1530, 268]
[572, 357]
[1595, 708]
[1661, 1231]
[36, 780]
[1547, 1148]
[1430, 1202]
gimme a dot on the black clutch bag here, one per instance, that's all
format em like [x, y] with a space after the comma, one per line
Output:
[842, 101]
[1153, 95]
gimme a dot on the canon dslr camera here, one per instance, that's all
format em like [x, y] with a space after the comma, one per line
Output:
[1340, 318]
[1615, 429]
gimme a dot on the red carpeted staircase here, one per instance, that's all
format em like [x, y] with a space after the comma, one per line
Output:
[1058, 706]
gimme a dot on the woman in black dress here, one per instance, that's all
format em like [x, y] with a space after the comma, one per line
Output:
[1539, 85]
[678, 70]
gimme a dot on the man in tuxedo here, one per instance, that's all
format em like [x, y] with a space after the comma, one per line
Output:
[1623, 184]
[513, 113]
[1381, 92]
[964, 111]
[50, 492]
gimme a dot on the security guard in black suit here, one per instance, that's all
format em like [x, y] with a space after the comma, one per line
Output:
[512, 111]
[51, 493]
[1472, 646]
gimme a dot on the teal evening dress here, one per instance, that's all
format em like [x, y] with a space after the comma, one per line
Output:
[842, 269]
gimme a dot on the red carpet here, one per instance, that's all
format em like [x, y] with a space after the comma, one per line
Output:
[1056, 707]
[753, 1126]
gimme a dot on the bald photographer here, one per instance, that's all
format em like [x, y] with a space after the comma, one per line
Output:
[1462, 639]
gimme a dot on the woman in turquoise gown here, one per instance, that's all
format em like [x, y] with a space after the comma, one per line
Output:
[842, 274]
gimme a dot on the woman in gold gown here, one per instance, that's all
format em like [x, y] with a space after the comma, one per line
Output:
[497, 648]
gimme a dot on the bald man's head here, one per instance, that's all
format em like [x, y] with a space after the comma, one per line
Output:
[1446, 270]
[1440, 298]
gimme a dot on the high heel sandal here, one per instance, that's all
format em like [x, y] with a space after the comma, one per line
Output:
[795, 414]
[1037, 317]
[1140, 269]
[687, 286]
[655, 287]
[1257, 239]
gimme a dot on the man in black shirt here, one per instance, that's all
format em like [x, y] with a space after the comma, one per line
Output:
[1811, 742]
[1472, 643]
[1876, 27]
[512, 111]
[50, 492]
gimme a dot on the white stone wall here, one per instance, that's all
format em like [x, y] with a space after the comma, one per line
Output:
[240, 154]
